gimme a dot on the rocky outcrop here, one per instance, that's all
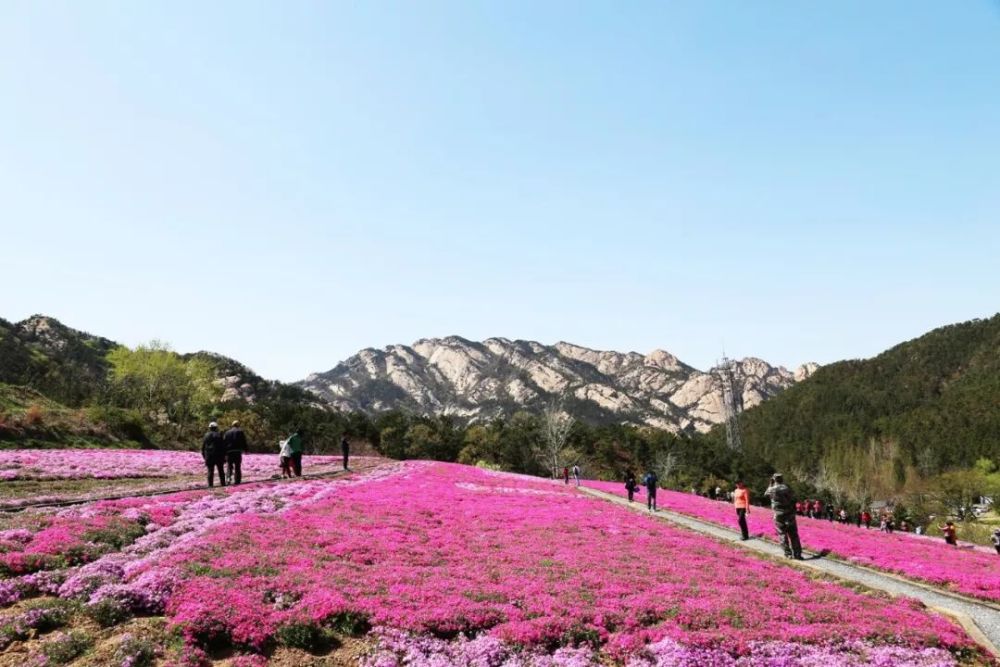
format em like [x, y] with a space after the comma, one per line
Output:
[498, 376]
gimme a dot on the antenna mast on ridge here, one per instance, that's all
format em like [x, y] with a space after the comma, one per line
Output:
[732, 401]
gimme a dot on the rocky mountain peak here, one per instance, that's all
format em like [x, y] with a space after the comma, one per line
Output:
[498, 376]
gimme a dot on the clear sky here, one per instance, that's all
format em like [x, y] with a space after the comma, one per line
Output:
[288, 182]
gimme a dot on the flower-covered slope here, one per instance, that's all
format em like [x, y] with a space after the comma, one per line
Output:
[972, 572]
[455, 565]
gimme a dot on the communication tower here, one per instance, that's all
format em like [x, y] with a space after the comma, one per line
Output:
[732, 401]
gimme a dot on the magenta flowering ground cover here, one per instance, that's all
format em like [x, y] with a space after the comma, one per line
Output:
[452, 565]
[443, 551]
[972, 572]
[54, 464]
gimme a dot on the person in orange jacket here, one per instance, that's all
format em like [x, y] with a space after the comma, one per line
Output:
[741, 501]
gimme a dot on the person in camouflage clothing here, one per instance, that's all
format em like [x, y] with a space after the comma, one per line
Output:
[783, 504]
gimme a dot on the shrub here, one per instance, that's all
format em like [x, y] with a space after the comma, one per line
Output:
[108, 612]
[34, 416]
[303, 635]
[66, 647]
[135, 652]
[47, 615]
[351, 623]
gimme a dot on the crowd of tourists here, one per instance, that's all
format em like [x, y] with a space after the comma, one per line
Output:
[223, 454]
[787, 508]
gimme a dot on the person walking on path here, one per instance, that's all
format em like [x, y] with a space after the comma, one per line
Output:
[741, 501]
[650, 481]
[213, 451]
[949, 532]
[236, 443]
[783, 504]
[345, 449]
[295, 451]
[565, 475]
[995, 539]
[576, 474]
[630, 484]
[866, 518]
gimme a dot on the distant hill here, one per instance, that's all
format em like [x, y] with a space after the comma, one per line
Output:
[54, 390]
[937, 397]
[498, 377]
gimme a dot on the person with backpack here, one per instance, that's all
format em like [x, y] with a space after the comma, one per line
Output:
[236, 443]
[345, 449]
[630, 484]
[650, 481]
[783, 504]
[576, 474]
[741, 501]
[295, 452]
[213, 451]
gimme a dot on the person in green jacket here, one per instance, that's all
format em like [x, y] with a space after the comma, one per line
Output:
[295, 447]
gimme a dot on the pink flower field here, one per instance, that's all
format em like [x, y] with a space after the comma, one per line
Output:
[973, 572]
[441, 564]
[53, 464]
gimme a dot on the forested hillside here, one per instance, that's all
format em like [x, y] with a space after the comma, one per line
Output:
[934, 401]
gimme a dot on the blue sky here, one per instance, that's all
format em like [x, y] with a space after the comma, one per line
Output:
[286, 183]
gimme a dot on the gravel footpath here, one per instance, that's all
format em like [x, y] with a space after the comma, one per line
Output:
[983, 617]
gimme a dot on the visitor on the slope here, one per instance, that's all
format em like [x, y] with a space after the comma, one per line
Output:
[630, 484]
[817, 509]
[345, 449]
[213, 451]
[783, 504]
[843, 515]
[741, 501]
[285, 458]
[949, 532]
[295, 452]
[236, 443]
[718, 493]
[829, 512]
[995, 539]
[565, 475]
[650, 481]
[866, 518]
[576, 474]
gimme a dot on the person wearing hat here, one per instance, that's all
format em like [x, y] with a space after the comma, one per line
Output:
[213, 450]
[236, 444]
[783, 504]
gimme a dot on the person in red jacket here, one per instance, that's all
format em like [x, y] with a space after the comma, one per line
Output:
[866, 518]
[741, 501]
[566, 475]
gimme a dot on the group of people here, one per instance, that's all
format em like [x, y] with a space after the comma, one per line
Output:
[649, 480]
[576, 474]
[223, 453]
[814, 509]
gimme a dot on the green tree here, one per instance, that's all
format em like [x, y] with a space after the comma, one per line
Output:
[159, 383]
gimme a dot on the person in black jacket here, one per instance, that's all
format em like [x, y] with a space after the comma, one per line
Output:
[630, 484]
[213, 450]
[345, 449]
[236, 443]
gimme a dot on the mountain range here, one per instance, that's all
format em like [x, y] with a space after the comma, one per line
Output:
[497, 377]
